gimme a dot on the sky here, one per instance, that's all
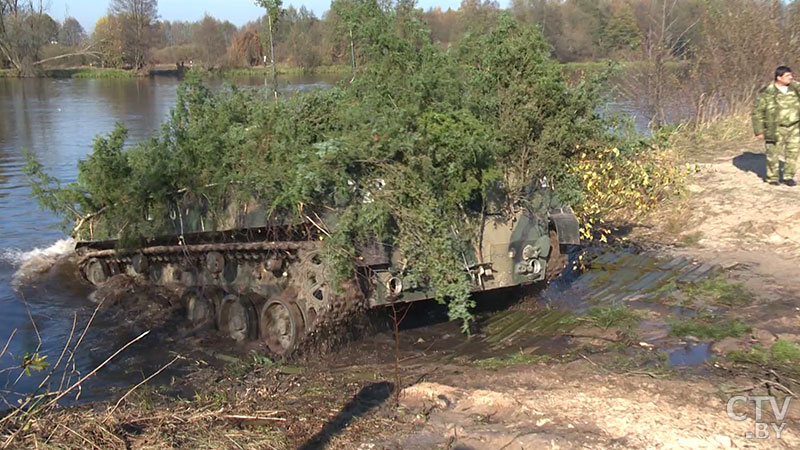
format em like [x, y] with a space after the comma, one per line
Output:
[238, 12]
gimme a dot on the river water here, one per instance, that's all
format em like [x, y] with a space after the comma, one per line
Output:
[57, 120]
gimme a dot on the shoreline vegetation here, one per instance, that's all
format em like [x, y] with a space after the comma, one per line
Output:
[86, 72]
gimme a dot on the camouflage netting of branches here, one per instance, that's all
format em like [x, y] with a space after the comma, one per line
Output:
[420, 133]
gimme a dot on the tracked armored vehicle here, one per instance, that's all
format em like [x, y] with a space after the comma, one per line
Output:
[253, 280]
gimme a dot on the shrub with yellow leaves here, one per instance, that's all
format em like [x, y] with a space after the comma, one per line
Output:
[619, 186]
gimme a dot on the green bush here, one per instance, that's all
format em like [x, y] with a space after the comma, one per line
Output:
[618, 316]
[707, 328]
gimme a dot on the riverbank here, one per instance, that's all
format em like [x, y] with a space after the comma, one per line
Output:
[587, 67]
[281, 69]
[76, 72]
[171, 70]
[266, 71]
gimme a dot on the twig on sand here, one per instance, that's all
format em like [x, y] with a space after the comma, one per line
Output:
[780, 386]
[423, 353]
[106, 430]
[784, 377]
[630, 372]
[139, 385]
[743, 389]
[234, 442]
[595, 364]
[79, 435]
[644, 372]
[252, 418]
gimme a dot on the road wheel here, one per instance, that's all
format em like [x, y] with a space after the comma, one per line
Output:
[199, 308]
[96, 272]
[140, 263]
[237, 318]
[281, 325]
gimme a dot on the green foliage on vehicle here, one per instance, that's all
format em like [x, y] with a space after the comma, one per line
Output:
[402, 152]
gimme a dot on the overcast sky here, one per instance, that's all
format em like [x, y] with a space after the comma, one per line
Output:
[237, 11]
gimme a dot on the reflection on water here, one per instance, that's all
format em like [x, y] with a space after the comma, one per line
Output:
[57, 120]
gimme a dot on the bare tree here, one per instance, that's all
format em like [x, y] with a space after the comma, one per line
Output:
[744, 41]
[273, 8]
[24, 30]
[210, 41]
[663, 45]
[72, 33]
[137, 18]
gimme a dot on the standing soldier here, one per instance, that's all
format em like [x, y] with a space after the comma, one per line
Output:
[776, 119]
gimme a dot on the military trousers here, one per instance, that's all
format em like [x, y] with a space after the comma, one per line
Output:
[786, 145]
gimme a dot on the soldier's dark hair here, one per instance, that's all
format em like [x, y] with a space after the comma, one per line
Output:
[781, 71]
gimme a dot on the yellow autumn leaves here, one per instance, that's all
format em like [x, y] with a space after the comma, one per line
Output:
[618, 187]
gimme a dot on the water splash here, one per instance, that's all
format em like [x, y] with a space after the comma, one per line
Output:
[33, 263]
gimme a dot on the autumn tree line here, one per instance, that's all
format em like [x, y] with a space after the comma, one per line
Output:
[732, 43]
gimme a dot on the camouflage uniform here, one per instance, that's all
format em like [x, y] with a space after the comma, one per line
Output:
[777, 116]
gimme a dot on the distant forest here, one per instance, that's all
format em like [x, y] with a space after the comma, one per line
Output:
[132, 36]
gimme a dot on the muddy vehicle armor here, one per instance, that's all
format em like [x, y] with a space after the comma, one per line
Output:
[253, 281]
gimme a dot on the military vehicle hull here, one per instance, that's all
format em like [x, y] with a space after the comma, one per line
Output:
[256, 282]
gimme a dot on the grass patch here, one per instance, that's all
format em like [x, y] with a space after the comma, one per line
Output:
[784, 351]
[147, 397]
[619, 316]
[520, 357]
[782, 356]
[713, 136]
[597, 66]
[254, 362]
[720, 290]
[708, 328]
[756, 355]
[626, 359]
[675, 213]
[89, 72]
[8, 73]
[281, 70]
[212, 397]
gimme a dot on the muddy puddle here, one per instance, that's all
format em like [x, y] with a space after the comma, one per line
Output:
[690, 355]
[535, 324]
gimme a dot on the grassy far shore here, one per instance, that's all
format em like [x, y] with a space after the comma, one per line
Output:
[95, 72]
[266, 71]
[588, 66]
